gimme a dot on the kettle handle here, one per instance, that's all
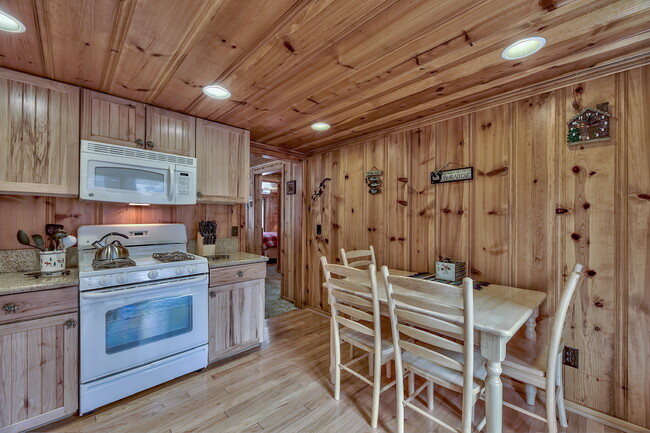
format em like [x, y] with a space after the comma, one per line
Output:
[113, 234]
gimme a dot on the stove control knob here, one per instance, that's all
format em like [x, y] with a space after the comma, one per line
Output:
[192, 269]
[180, 270]
[104, 280]
[121, 278]
[152, 275]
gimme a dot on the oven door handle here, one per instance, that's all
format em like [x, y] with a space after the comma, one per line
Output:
[136, 290]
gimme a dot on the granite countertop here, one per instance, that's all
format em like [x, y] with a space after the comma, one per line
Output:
[236, 258]
[18, 282]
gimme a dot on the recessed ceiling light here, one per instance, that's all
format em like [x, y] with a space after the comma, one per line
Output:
[320, 126]
[10, 24]
[523, 48]
[216, 92]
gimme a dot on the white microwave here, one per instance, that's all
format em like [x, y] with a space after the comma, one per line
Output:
[127, 175]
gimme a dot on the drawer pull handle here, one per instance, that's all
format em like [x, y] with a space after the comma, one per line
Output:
[213, 294]
[70, 323]
[240, 274]
[10, 308]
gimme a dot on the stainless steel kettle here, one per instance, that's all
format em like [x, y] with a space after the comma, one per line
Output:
[112, 251]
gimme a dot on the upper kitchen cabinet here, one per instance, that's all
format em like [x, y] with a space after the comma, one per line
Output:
[109, 119]
[170, 132]
[223, 154]
[39, 135]
[113, 120]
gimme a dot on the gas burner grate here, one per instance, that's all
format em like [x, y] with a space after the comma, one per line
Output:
[112, 264]
[176, 256]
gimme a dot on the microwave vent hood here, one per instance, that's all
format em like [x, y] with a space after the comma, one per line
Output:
[128, 152]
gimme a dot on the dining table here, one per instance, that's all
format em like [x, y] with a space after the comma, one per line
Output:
[499, 313]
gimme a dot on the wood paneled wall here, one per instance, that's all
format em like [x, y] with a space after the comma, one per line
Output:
[271, 212]
[535, 207]
[31, 213]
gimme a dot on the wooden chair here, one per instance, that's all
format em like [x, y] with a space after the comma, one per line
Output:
[439, 320]
[361, 328]
[360, 264]
[540, 365]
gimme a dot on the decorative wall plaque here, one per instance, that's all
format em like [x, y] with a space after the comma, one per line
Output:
[592, 124]
[455, 175]
[373, 180]
[291, 187]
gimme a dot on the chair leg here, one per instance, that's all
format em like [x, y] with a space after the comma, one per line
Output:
[399, 389]
[560, 394]
[376, 391]
[411, 388]
[337, 369]
[351, 351]
[531, 392]
[371, 364]
[389, 372]
[430, 396]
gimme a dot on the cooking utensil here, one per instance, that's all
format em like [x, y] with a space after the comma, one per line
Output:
[112, 251]
[55, 240]
[39, 241]
[50, 229]
[69, 241]
[23, 238]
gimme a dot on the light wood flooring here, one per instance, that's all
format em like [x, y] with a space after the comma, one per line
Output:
[281, 387]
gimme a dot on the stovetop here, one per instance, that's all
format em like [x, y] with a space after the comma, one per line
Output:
[173, 256]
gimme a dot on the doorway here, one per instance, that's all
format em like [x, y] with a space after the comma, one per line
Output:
[274, 230]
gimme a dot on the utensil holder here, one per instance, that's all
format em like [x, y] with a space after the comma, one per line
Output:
[52, 261]
[204, 250]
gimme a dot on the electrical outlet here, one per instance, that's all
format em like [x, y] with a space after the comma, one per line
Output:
[319, 230]
[234, 231]
[570, 357]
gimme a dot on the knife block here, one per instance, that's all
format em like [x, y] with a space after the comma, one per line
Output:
[204, 250]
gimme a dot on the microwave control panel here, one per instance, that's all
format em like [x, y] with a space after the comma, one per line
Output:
[185, 187]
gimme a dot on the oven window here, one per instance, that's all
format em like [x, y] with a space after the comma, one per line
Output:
[146, 322]
[130, 179]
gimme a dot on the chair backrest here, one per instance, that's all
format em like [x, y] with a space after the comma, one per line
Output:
[350, 258]
[436, 314]
[354, 294]
[560, 315]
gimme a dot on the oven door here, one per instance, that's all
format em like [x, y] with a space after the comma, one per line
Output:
[119, 179]
[125, 327]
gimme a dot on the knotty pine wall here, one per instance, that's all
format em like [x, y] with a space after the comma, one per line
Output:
[31, 213]
[535, 208]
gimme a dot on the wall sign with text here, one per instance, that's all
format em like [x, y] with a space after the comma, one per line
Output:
[455, 175]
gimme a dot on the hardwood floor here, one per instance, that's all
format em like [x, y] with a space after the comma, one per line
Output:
[282, 387]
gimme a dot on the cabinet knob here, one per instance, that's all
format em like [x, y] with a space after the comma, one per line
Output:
[149, 145]
[213, 294]
[10, 308]
[240, 274]
[139, 142]
[70, 323]
[199, 194]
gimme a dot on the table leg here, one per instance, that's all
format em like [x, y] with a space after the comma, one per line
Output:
[493, 349]
[531, 334]
[531, 324]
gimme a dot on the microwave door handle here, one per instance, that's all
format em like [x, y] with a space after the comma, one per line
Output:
[172, 183]
[147, 288]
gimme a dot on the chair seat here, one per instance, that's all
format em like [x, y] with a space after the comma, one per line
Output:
[366, 342]
[444, 376]
[526, 356]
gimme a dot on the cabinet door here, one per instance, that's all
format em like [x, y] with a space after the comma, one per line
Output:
[170, 132]
[39, 135]
[236, 318]
[38, 371]
[113, 120]
[223, 155]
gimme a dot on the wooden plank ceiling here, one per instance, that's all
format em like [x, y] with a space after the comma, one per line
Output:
[360, 65]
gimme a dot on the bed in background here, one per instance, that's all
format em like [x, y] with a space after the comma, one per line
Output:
[270, 245]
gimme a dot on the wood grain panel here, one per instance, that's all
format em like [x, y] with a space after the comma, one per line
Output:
[113, 120]
[535, 207]
[171, 132]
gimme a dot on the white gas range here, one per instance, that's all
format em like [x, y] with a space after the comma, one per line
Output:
[143, 320]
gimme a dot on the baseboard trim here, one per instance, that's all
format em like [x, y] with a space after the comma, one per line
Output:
[603, 418]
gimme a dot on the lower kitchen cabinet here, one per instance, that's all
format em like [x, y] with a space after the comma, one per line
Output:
[236, 317]
[38, 371]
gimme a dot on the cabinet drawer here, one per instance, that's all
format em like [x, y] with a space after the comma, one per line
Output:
[20, 306]
[236, 274]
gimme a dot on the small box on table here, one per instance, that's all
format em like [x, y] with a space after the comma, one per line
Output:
[450, 270]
